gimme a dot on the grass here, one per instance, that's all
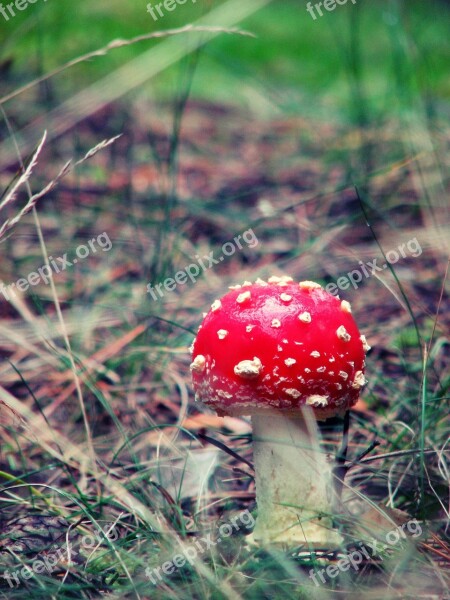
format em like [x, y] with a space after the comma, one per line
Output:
[103, 450]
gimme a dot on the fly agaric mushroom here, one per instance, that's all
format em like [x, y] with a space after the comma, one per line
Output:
[284, 353]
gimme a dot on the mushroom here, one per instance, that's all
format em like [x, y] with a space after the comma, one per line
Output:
[292, 353]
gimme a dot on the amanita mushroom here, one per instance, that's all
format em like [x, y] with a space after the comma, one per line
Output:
[284, 353]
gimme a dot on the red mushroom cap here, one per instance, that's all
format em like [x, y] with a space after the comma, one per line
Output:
[278, 345]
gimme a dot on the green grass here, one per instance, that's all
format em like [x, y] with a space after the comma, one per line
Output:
[291, 51]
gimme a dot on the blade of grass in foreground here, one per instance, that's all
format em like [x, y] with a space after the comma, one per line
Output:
[134, 74]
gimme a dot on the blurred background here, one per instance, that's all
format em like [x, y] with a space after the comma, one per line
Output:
[327, 137]
[390, 51]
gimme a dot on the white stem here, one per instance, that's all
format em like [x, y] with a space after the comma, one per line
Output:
[290, 469]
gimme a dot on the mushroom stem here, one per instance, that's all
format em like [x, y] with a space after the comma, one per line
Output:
[294, 488]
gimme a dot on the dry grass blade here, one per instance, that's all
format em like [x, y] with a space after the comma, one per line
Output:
[120, 43]
[93, 151]
[11, 195]
[67, 168]
[10, 223]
